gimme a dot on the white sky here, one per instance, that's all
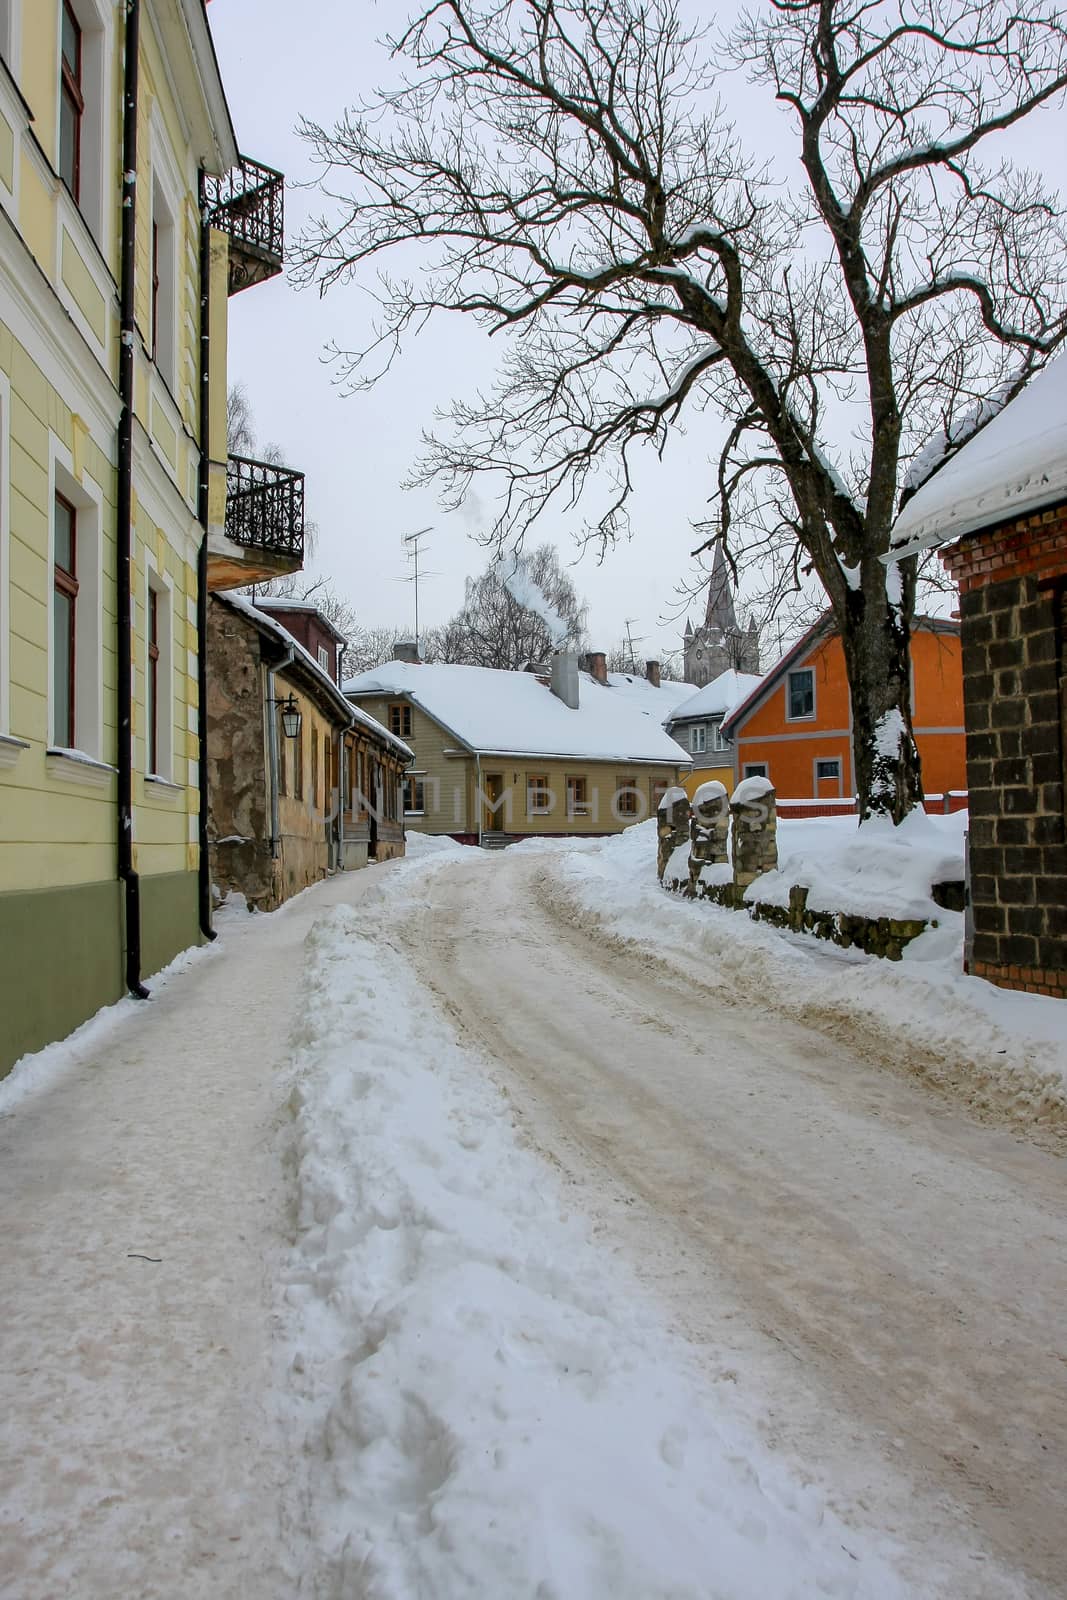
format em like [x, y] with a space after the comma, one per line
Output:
[356, 450]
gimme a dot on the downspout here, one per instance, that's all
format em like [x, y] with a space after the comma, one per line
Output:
[203, 512]
[342, 776]
[272, 747]
[478, 794]
[124, 507]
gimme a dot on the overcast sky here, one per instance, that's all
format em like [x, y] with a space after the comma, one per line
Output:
[356, 450]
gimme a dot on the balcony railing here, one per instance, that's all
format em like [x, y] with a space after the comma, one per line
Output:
[248, 203]
[265, 508]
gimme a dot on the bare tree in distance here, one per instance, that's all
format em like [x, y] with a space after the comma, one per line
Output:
[562, 172]
[491, 628]
[621, 658]
[371, 647]
[241, 441]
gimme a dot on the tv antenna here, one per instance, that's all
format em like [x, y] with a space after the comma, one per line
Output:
[631, 641]
[413, 541]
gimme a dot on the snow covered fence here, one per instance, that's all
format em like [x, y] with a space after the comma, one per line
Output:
[876, 894]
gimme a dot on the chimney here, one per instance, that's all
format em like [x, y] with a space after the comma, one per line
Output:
[407, 650]
[597, 665]
[652, 673]
[565, 678]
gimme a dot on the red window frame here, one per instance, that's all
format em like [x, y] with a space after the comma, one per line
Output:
[72, 101]
[65, 582]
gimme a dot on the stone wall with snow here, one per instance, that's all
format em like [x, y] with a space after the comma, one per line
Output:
[875, 889]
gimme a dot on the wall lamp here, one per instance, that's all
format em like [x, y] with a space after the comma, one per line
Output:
[292, 717]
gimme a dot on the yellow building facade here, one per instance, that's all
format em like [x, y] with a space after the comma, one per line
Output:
[117, 257]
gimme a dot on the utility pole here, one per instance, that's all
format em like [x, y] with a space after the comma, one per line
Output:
[414, 549]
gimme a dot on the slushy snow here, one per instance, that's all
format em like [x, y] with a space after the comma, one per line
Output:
[489, 1406]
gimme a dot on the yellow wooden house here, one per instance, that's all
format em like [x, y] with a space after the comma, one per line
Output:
[127, 219]
[500, 756]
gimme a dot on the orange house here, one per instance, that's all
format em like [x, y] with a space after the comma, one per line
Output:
[795, 728]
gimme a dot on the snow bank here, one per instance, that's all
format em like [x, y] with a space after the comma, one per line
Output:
[996, 1048]
[489, 1406]
[871, 869]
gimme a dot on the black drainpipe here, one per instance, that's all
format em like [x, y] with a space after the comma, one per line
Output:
[124, 496]
[203, 488]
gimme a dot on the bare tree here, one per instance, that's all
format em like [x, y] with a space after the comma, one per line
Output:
[565, 175]
[371, 647]
[491, 628]
[240, 427]
[241, 441]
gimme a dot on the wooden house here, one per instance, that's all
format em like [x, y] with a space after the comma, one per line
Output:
[506, 755]
[795, 726]
[696, 722]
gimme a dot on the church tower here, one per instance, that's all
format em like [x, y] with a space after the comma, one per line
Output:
[720, 643]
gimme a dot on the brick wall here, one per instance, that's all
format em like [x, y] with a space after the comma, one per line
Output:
[1013, 598]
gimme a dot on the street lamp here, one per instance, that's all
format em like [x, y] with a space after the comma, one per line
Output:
[291, 717]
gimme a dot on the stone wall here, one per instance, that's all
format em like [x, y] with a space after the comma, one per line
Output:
[239, 820]
[750, 817]
[1013, 599]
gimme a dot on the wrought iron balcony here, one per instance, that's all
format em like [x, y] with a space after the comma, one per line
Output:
[265, 509]
[248, 203]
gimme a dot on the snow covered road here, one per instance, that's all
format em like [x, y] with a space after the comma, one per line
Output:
[427, 1240]
[888, 1272]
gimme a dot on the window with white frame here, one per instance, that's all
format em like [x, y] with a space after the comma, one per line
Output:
[719, 741]
[698, 738]
[159, 678]
[75, 633]
[754, 769]
[82, 70]
[800, 695]
[827, 769]
[324, 658]
[414, 795]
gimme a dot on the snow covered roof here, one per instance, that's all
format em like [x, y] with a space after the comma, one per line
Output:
[514, 713]
[718, 697]
[1015, 464]
[306, 608]
[346, 711]
[659, 701]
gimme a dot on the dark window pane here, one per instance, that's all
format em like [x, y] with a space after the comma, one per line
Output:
[65, 551]
[802, 694]
[71, 43]
[62, 698]
[68, 144]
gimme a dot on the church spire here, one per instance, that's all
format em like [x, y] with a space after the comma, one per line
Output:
[720, 613]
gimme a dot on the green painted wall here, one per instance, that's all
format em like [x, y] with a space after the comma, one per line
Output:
[62, 953]
[60, 961]
[169, 918]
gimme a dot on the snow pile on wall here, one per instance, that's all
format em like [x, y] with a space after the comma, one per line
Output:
[489, 1407]
[869, 870]
[991, 1046]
